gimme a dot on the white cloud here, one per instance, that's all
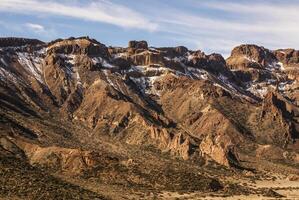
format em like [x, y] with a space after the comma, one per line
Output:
[37, 28]
[99, 11]
[273, 26]
[287, 10]
[223, 24]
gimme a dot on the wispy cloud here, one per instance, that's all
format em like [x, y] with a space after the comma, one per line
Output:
[283, 10]
[213, 26]
[37, 28]
[99, 11]
[271, 25]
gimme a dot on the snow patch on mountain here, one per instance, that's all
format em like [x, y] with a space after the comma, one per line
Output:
[197, 73]
[250, 59]
[283, 87]
[32, 64]
[3, 62]
[190, 56]
[113, 82]
[281, 65]
[258, 90]
[275, 66]
[8, 77]
[102, 62]
[119, 55]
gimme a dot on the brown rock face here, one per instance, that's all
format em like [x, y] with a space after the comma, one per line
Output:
[191, 106]
[174, 51]
[198, 58]
[71, 161]
[15, 42]
[262, 68]
[78, 46]
[250, 56]
[66, 63]
[138, 44]
[217, 64]
[213, 63]
[219, 149]
[290, 60]
[147, 58]
[122, 63]
[287, 56]
[11, 148]
[57, 78]
[279, 114]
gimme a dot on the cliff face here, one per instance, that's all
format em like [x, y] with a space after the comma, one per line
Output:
[67, 103]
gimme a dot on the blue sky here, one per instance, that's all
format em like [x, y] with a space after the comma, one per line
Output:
[209, 25]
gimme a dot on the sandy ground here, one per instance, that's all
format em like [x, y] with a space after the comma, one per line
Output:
[281, 184]
[290, 195]
[287, 188]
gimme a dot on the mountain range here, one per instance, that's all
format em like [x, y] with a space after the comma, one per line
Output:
[82, 120]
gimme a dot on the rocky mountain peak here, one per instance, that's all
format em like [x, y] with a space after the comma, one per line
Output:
[173, 52]
[287, 56]
[251, 56]
[138, 44]
[82, 45]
